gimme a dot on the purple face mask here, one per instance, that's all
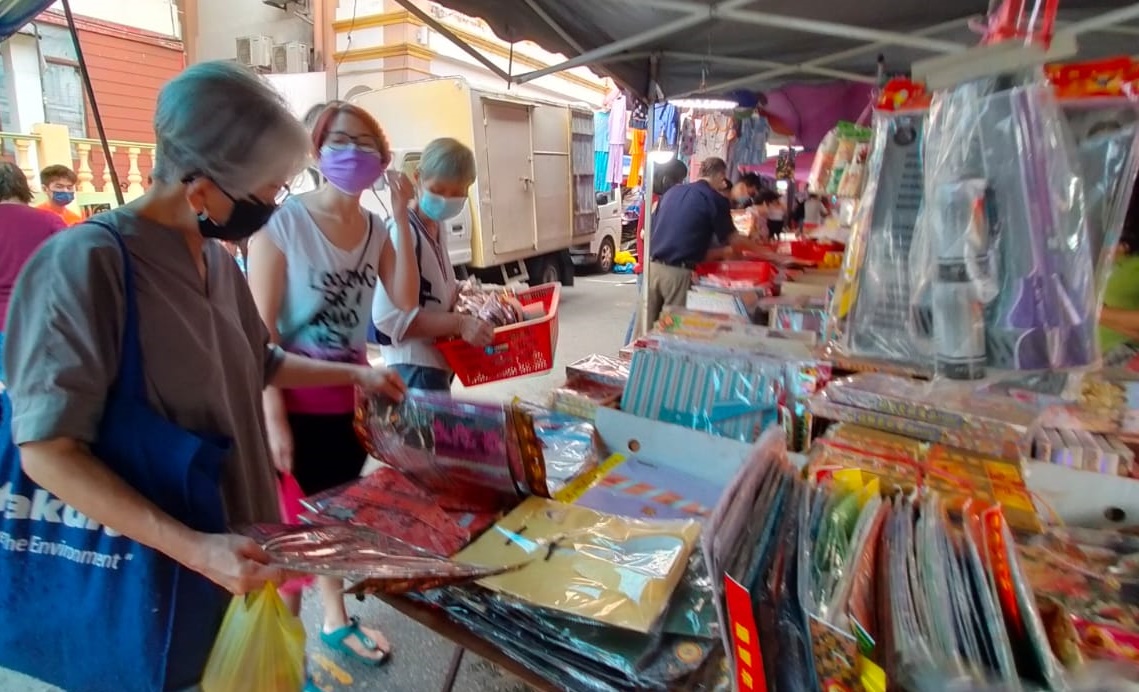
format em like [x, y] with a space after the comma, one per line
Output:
[349, 169]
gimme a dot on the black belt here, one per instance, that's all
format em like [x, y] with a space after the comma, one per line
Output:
[677, 265]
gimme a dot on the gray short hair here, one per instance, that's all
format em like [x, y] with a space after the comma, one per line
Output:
[220, 120]
[449, 160]
[713, 166]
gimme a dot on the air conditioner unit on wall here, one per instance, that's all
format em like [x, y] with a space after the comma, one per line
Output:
[300, 7]
[290, 58]
[255, 51]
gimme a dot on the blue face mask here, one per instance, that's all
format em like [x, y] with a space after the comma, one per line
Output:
[62, 197]
[440, 208]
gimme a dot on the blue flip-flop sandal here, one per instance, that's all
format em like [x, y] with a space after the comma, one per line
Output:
[337, 641]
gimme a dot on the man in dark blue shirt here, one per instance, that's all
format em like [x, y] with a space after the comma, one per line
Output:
[685, 223]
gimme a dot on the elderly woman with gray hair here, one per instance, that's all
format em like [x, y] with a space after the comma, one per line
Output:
[137, 361]
[407, 337]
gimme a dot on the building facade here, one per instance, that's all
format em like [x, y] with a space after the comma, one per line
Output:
[131, 49]
[366, 44]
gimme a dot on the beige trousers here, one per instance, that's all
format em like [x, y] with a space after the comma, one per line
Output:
[667, 286]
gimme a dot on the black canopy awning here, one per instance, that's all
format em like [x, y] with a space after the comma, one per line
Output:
[757, 44]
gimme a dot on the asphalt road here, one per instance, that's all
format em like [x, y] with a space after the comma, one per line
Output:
[594, 315]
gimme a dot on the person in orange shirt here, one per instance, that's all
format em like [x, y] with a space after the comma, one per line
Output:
[59, 184]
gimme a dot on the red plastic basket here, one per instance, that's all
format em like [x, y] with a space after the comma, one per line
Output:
[745, 271]
[811, 251]
[517, 351]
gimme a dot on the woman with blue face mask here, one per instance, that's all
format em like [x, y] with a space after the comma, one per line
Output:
[407, 336]
[312, 271]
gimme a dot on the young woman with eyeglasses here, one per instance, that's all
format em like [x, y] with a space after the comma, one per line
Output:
[313, 271]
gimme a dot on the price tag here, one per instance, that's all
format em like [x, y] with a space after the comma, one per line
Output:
[581, 485]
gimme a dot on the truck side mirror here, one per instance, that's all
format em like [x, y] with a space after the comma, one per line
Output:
[602, 198]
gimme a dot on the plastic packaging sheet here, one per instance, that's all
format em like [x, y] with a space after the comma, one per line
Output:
[376, 562]
[570, 445]
[1002, 251]
[1106, 132]
[618, 571]
[388, 502]
[1077, 572]
[601, 369]
[874, 314]
[947, 412]
[471, 456]
[732, 397]
[579, 655]
[724, 532]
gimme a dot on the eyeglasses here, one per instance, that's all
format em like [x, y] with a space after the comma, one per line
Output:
[283, 192]
[339, 139]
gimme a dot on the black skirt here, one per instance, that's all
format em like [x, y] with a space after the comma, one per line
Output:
[326, 451]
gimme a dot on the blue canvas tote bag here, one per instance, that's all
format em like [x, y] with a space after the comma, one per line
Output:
[88, 609]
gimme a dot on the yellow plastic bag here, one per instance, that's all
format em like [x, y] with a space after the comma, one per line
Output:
[261, 646]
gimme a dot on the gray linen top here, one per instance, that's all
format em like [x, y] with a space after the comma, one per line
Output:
[206, 353]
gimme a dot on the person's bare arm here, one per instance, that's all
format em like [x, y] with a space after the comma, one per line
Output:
[267, 268]
[67, 469]
[1126, 322]
[445, 325]
[398, 268]
[435, 325]
[741, 243]
[719, 254]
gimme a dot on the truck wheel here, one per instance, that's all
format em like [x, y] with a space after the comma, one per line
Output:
[543, 270]
[605, 255]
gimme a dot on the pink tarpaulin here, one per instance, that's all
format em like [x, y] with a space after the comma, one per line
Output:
[812, 110]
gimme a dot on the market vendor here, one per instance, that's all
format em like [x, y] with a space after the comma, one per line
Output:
[665, 177]
[687, 221]
[407, 337]
[136, 362]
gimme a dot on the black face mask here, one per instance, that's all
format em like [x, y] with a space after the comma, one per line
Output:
[248, 217]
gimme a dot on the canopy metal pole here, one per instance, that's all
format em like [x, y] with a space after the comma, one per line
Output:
[643, 325]
[109, 159]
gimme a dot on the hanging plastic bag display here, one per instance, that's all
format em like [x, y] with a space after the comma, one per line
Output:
[1098, 101]
[261, 646]
[1004, 255]
[873, 315]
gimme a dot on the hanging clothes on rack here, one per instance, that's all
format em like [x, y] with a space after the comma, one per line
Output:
[666, 126]
[638, 125]
[750, 148]
[687, 146]
[637, 156]
[618, 120]
[711, 140]
[639, 116]
[601, 151]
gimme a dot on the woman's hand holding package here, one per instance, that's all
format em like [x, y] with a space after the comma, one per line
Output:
[236, 563]
[475, 331]
[381, 381]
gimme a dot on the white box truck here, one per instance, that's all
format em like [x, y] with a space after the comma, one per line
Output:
[534, 200]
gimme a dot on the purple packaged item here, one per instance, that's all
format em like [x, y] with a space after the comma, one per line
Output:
[473, 456]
